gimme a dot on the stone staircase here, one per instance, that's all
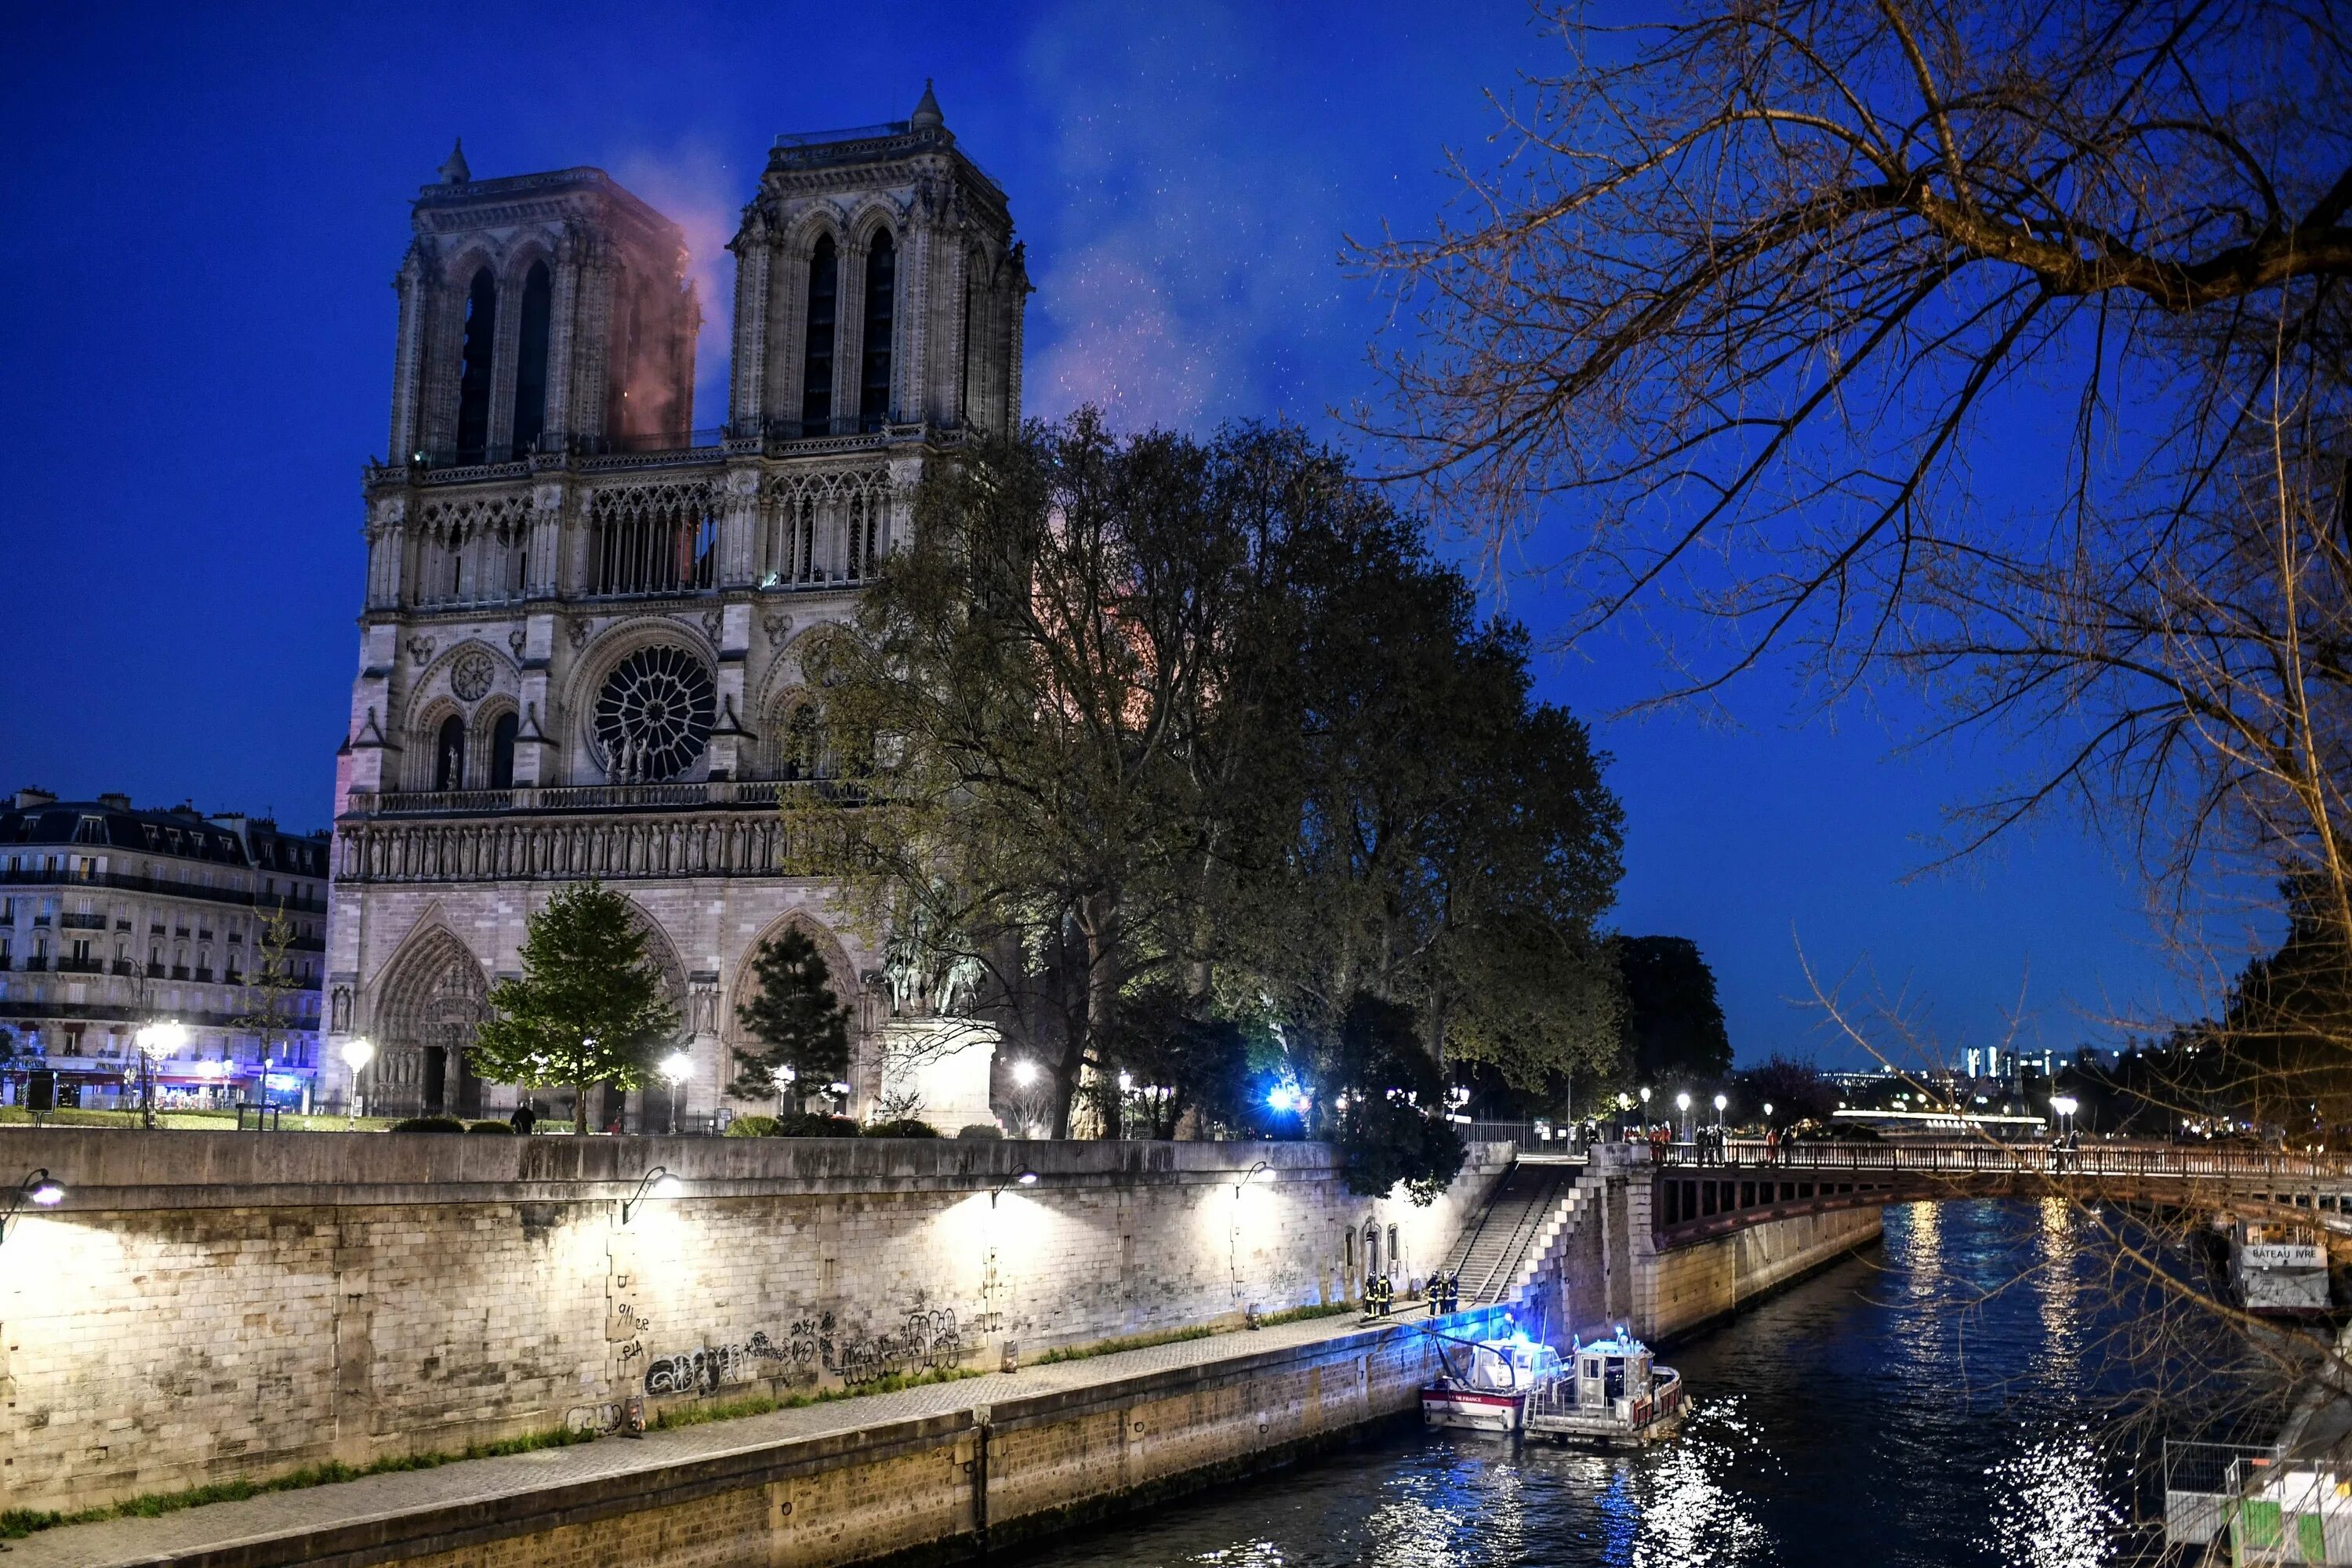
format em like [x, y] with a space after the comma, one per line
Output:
[1534, 1211]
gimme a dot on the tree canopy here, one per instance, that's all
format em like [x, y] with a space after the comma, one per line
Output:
[1184, 751]
[799, 1025]
[1674, 1024]
[589, 1007]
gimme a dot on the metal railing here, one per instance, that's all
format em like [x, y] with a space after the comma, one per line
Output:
[31, 876]
[2011, 1159]
[601, 797]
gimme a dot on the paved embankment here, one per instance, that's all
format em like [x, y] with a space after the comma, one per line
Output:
[935, 1471]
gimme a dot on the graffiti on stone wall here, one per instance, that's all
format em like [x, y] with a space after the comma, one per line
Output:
[923, 1339]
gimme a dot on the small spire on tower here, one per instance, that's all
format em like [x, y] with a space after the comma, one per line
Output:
[454, 172]
[926, 115]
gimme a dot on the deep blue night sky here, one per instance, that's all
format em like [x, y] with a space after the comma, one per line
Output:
[204, 210]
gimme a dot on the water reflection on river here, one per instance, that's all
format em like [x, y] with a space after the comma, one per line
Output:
[1864, 1417]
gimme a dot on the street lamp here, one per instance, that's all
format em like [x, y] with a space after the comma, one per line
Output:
[1645, 1110]
[1024, 1073]
[358, 1051]
[1719, 1103]
[2065, 1105]
[1024, 1178]
[38, 1187]
[675, 1067]
[659, 1182]
[157, 1039]
[1682, 1103]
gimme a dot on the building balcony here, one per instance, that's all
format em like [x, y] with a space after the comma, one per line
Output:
[122, 966]
[179, 971]
[33, 876]
[723, 794]
[81, 966]
[82, 922]
[558, 449]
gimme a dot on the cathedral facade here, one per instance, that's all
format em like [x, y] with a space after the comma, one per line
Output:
[579, 643]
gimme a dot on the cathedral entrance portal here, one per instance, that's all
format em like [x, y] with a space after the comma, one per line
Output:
[429, 1008]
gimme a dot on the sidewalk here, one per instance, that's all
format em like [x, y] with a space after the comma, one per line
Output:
[281, 1517]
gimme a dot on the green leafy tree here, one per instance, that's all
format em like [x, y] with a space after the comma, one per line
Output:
[1674, 1025]
[1383, 1101]
[1167, 745]
[798, 1022]
[589, 1008]
[270, 989]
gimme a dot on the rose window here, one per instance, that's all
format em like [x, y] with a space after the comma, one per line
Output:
[654, 715]
[472, 675]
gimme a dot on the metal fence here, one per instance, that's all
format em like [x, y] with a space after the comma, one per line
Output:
[1988, 1158]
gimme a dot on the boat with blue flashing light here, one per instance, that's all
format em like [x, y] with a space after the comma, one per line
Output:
[1614, 1396]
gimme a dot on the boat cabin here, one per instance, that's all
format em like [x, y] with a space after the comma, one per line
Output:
[1610, 1369]
[1513, 1365]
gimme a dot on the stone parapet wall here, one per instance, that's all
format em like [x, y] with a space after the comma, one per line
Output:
[204, 1306]
[1684, 1288]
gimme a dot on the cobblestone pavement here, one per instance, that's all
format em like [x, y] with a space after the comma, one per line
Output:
[118, 1542]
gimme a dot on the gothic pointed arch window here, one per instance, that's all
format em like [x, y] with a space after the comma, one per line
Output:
[881, 311]
[816, 356]
[449, 755]
[502, 751]
[531, 358]
[799, 743]
[474, 377]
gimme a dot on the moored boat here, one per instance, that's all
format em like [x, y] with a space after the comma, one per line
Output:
[1487, 1384]
[1615, 1393]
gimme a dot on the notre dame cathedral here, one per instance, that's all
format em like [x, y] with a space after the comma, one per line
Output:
[578, 645]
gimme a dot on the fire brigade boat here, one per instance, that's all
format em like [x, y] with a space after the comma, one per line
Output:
[1487, 1384]
[1615, 1395]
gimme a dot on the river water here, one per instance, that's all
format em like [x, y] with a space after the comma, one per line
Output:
[1981, 1389]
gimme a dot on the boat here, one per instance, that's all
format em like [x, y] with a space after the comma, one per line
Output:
[1487, 1388]
[2279, 1269]
[1615, 1394]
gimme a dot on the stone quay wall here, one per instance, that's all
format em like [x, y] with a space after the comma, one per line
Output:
[1680, 1288]
[207, 1306]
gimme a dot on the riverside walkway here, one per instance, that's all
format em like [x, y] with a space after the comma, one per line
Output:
[467, 1502]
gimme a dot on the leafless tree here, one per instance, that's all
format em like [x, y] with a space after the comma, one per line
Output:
[1748, 301]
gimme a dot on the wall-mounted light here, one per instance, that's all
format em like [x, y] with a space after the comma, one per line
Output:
[1246, 1176]
[1024, 1178]
[657, 1182]
[38, 1188]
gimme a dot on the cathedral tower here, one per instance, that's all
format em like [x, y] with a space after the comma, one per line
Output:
[579, 644]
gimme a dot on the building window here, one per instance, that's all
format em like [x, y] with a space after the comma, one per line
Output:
[652, 540]
[530, 368]
[881, 302]
[503, 745]
[816, 358]
[474, 380]
[449, 755]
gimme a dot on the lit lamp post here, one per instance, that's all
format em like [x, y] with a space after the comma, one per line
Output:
[2065, 1105]
[1720, 1101]
[157, 1039]
[1645, 1110]
[1682, 1103]
[675, 1067]
[358, 1052]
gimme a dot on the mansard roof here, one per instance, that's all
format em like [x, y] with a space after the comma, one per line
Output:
[181, 832]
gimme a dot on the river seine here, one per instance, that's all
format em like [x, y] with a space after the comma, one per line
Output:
[1977, 1390]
